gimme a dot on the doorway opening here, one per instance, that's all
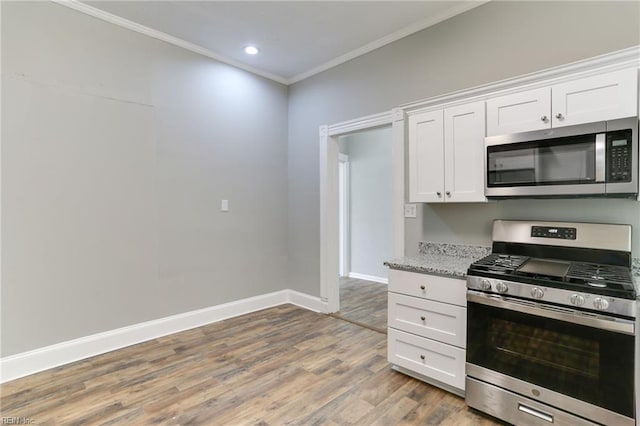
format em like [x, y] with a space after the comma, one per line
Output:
[365, 204]
[329, 197]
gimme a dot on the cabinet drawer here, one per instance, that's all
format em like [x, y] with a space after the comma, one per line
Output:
[433, 359]
[433, 287]
[434, 320]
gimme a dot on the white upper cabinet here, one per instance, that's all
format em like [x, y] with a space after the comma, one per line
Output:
[464, 153]
[602, 97]
[520, 112]
[426, 154]
[446, 155]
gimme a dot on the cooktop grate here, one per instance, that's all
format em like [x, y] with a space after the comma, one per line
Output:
[598, 275]
[501, 262]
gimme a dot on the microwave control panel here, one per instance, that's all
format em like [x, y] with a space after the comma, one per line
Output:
[553, 232]
[619, 156]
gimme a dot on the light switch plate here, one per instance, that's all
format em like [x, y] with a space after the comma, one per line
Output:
[410, 210]
[224, 205]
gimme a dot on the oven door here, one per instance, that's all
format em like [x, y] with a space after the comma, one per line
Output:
[577, 362]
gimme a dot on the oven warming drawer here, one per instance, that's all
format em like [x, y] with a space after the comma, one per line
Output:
[515, 408]
[488, 384]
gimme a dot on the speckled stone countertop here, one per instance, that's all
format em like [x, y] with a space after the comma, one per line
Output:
[451, 260]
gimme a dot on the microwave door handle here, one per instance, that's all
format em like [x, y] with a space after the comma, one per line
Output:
[601, 157]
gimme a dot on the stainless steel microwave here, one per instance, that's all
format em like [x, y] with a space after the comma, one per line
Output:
[594, 159]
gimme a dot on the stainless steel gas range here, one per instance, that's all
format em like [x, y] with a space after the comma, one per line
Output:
[551, 325]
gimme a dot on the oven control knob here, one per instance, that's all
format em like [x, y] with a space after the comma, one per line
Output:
[485, 285]
[537, 293]
[600, 304]
[577, 299]
[501, 287]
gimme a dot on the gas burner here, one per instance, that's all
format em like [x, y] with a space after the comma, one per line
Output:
[506, 260]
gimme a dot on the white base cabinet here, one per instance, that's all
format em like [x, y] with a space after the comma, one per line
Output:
[427, 327]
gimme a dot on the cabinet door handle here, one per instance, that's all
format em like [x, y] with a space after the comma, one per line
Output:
[448, 193]
[422, 357]
[422, 287]
[423, 318]
[559, 116]
[439, 194]
[544, 118]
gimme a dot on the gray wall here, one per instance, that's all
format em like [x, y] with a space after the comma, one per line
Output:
[116, 151]
[371, 200]
[489, 43]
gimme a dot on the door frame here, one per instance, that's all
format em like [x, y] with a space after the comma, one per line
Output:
[329, 220]
[344, 215]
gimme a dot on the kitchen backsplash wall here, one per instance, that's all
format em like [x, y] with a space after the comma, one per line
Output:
[466, 223]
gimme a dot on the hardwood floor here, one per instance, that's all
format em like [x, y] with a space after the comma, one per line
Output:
[283, 365]
[364, 303]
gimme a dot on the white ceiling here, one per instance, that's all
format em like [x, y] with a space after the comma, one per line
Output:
[296, 38]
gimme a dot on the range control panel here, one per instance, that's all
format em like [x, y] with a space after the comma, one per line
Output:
[553, 232]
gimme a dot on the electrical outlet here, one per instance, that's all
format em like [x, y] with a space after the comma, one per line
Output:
[410, 210]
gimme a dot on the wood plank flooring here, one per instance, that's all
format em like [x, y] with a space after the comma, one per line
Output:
[283, 365]
[363, 302]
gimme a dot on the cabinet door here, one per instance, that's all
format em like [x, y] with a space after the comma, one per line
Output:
[426, 157]
[464, 153]
[602, 97]
[519, 112]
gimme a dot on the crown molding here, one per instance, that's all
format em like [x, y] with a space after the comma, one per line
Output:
[383, 41]
[159, 35]
[612, 61]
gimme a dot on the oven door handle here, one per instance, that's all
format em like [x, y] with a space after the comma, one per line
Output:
[616, 325]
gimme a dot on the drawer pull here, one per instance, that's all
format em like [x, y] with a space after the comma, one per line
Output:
[535, 413]
[422, 287]
[423, 318]
[422, 357]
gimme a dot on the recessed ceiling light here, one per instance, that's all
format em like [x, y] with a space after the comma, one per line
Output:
[251, 50]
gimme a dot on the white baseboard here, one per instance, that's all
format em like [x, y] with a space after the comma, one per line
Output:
[303, 300]
[26, 363]
[369, 278]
